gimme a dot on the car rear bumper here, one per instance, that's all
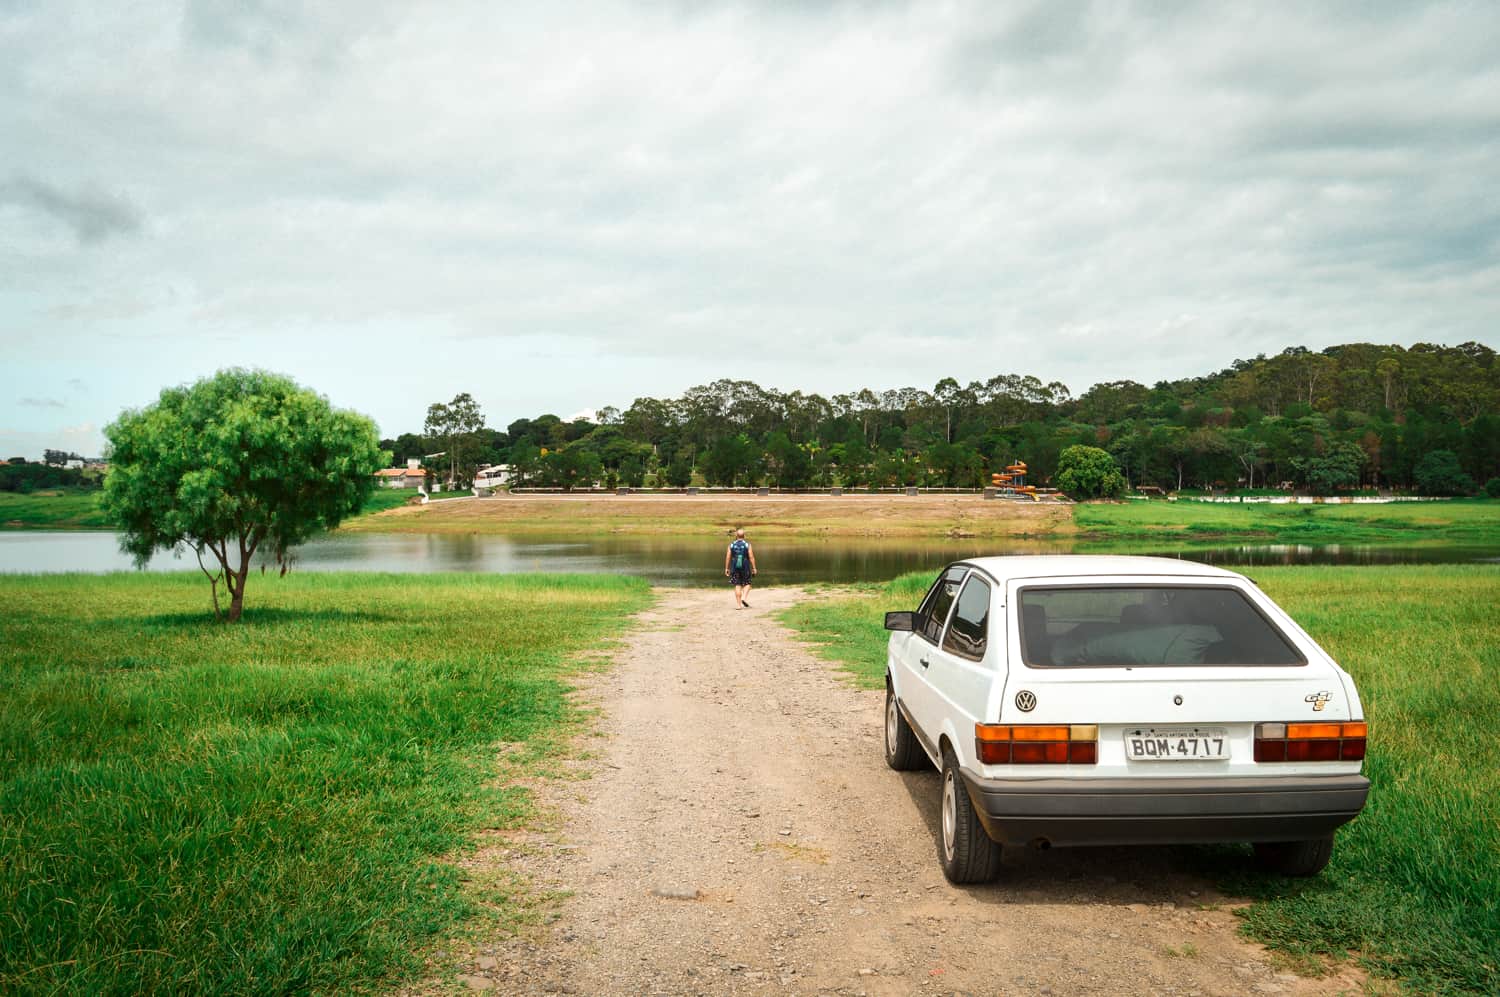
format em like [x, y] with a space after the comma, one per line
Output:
[1164, 811]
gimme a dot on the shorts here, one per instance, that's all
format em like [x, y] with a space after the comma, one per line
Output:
[739, 577]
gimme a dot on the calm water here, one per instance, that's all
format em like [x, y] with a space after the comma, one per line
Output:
[674, 561]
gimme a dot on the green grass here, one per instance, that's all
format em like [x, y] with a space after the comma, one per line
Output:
[1186, 524]
[1414, 886]
[54, 509]
[188, 807]
[72, 509]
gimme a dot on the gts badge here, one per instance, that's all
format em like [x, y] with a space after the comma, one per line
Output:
[1318, 700]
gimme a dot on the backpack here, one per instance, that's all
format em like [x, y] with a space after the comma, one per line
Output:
[739, 555]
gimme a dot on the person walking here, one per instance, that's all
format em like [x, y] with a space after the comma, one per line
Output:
[739, 567]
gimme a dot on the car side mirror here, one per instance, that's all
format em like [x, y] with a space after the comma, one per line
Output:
[900, 621]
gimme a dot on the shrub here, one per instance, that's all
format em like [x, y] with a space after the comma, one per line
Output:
[1088, 472]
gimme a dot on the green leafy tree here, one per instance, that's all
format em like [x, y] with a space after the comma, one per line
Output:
[240, 462]
[633, 472]
[454, 427]
[526, 460]
[1088, 472]
[1492, 488]
[732, 459]
[953, 465]
[680, 472]
[574, 467]
[788, 464]
[1439, 473]
[1337, 468]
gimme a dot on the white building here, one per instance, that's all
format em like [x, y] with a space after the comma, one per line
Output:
[494, 476]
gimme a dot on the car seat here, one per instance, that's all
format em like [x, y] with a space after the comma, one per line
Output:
[1036, 642]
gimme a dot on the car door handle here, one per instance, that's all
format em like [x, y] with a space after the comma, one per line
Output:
[924, 662]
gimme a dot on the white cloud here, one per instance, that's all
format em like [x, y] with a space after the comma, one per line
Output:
[558, 208]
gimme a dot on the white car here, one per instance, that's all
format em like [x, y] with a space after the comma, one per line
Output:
[1080, 700]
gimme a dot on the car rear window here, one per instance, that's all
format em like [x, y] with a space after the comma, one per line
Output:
[1147, 625]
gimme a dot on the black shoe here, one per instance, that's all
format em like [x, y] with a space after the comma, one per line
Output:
[745, 604]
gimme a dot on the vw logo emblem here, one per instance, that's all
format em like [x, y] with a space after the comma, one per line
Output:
[1025, 701]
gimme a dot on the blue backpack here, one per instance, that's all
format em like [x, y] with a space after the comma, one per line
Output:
[739, 556]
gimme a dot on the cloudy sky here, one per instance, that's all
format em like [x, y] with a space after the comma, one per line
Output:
[561, 206]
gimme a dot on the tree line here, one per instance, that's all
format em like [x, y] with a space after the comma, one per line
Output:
[1354, 416]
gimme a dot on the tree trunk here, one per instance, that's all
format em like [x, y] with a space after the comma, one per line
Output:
[234, 579]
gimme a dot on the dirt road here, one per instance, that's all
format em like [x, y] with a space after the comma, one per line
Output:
[740, 834]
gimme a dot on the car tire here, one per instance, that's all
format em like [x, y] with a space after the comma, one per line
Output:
[902, 752]
[967, 854]
[1294, 858]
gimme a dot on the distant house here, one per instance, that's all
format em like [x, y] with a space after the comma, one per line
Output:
[494, 476]
[413, 475]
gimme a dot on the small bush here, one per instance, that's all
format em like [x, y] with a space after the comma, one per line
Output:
[1088, 472]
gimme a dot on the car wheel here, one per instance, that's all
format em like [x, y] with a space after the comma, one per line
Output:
[1294, 858]
[902, 752]
[965, 851]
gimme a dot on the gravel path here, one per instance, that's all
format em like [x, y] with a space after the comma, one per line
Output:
[740, 833]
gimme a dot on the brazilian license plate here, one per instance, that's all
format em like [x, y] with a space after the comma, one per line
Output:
[1176, 744]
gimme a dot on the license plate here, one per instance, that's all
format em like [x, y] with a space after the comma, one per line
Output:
[1176, 744]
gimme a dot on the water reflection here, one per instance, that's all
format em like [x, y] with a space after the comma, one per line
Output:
[672, 561]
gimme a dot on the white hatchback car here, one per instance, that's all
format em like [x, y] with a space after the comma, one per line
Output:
[1080, 700]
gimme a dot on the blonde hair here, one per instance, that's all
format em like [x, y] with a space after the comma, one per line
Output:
[740, 532]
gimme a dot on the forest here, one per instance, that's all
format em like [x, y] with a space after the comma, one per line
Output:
[1347, 418]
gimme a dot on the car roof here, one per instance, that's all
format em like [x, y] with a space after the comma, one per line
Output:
[1085, 565]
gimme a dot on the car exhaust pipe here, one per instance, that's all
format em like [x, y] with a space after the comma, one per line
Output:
[1041, 844]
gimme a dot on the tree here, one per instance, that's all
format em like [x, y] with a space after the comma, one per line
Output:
[526, 459]
[1337, 468]
[680, 472]
[788, 464]
[731, 458]
[239, 462]
[453, 428]
[1088, 472]
[1439, 473]
[632, 472]
[574, 467]
[1247, 450]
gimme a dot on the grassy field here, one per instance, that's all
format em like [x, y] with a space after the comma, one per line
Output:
[1159, 524]
[59, 509]
[187, 807]
[1414, 886]
[71, 509]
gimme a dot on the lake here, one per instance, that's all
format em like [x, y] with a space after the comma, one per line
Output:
[667, 561]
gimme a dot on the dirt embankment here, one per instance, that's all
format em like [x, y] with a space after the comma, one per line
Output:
[739, 833]
[779, 516]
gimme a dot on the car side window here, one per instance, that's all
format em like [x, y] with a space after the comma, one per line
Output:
[934, 612]
[969, 628]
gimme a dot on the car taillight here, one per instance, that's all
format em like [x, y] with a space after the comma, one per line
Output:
[1037, 744]
[1311, 742]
